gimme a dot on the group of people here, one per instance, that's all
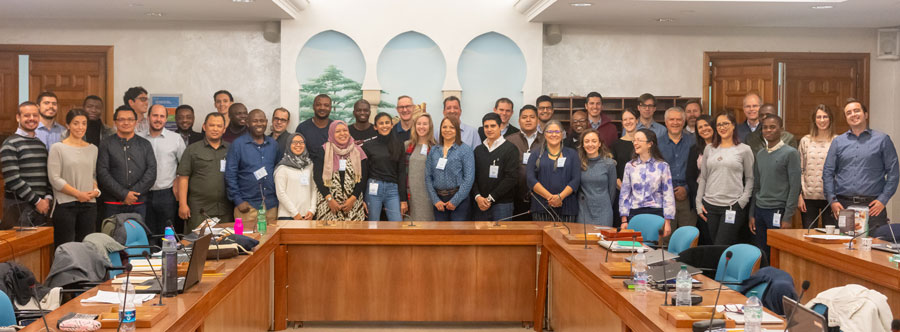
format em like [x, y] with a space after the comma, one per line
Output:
[731, 180]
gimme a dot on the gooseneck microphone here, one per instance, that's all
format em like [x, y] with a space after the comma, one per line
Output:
[497, 223]
[584, 231]
[553, 216]
[665, 273]
[816, 221]
[709, 325]
[38, 302]
[128, 268]
[850, 243]
[156, 276]
[206, 222]
[791, 315]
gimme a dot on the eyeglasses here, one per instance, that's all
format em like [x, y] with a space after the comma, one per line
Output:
[545, 108]
[723, 124]
[298, 143]
[580, 121]
[279, 119]
[126, 120]
[555, 132]
[143, 98]
[647, 105]
[407, 107]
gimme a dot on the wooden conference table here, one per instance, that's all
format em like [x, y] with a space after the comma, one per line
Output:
[436, 271]
[31, 248]
[832, 265]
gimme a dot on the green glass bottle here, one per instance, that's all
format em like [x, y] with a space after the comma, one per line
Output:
[261, 219]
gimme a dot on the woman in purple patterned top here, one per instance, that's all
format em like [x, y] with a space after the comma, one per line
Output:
[647, 183]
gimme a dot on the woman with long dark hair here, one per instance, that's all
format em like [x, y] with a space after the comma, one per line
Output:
[449, 173]
[703, 131]
[71, 169]
[725, 183]
[386, 184]
[597, 193]
[554, 174]
[647, 183]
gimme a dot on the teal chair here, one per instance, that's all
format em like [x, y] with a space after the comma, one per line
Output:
[683, 238]
[136, 238]
[743, 259]
[7, 312]
[649, 226]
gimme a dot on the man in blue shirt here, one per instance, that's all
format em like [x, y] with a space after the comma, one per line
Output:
[861, 167]
[468, 134]
[48, 131]
[249, 172]
[647, 107]
[675, 147]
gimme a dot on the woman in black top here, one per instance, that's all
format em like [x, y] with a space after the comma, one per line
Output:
[623, 152]
[703, 129]
[387, 179]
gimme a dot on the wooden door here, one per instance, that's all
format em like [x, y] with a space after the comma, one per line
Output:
[812, 82]
[9, 93]
[71, 76]
[732, 79]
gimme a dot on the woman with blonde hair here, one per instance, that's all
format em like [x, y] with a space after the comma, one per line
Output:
[813, 150]
[421, 139]
[598, 181]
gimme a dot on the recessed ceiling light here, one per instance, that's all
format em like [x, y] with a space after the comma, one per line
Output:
[242, 1]
[581, 4]
[135, 5]
[665, 19]
[154, 14]
[822, 7]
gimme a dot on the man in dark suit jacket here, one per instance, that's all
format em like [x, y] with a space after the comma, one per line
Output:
[751, 104]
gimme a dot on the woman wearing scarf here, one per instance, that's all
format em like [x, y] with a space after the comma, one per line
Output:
[344, 170]
[294, 185]
[387, 179]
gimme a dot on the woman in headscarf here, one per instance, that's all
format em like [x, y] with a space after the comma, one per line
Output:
[341, 176]
[294, 185]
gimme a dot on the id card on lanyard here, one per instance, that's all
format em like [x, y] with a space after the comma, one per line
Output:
[730, 215]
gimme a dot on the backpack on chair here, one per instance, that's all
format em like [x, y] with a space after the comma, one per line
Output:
[114, 226]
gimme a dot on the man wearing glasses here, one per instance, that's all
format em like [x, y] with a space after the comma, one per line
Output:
[280, 118]
[126, 167]
[544, 111]
[647, 107]
[405, 108]
[580, 124]
[137, 100]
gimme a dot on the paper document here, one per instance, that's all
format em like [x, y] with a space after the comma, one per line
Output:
[739, 318]
[113, 298]
[132, 279]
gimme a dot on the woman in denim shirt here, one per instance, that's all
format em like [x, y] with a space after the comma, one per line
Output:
[647, 183]
[554, 174]
[449, 174]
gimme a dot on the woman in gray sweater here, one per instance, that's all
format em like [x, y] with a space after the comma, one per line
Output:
[725, 183]
[597, 194]
[71, 168]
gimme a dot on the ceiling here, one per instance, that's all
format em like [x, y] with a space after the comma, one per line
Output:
[171, 10]
[786, 13]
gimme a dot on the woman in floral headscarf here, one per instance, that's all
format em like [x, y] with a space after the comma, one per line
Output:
[343, 177]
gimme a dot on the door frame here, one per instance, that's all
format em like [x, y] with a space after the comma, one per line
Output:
[862, 59]
[104, 50]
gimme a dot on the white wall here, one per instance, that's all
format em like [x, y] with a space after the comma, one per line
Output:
[371, 24]
[194, 59]
[629, 61]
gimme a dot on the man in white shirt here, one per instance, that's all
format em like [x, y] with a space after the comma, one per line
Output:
[469, 134]
[168, 146]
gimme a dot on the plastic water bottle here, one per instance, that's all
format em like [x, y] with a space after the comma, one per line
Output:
[639, 271]
[127, 313]
[261, 219]
[170, 264]
[753, 313]
[238, 226]
[683, 284]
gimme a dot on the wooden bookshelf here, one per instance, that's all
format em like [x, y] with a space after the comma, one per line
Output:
[563, 107]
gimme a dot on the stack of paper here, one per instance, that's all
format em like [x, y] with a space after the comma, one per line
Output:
[113, 298]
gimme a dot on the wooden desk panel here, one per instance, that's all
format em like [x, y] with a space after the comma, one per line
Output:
[574, 307]
[32, 249]
[832, 265]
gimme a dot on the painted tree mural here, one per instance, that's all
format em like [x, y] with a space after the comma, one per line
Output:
[344, 92]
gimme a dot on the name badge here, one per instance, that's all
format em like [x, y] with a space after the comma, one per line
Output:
[492, 173]
[222, 165]
[842, 221]
[561, 162]
[373, 188]
[776, 220]
[424, 150]
[525, 157]
[342, 165]
[304, 180]
[441, 163]
[729, 216]
[260, 173]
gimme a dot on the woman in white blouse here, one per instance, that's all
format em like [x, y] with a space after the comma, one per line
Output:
[813, 150]
[294, 184]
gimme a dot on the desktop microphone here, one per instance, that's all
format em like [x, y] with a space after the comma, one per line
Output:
[38, 302]
[553, 216]
[128, 268]
[850, 243]
[816, 221]
[790, 316]
[699, 326]
[497, 222]
[215, 240]
[158, 281]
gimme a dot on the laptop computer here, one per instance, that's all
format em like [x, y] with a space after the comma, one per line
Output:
[672, 268]
[194, 271]
[655, 257]
[803, 319]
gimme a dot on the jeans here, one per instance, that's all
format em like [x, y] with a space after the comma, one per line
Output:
[386, 196]
[459, 214]
[764, 222]
[73, 221]
[813, 208]
[161, 211]
[722, 233]
[494, 213]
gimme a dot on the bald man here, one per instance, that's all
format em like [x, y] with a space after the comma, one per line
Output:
[249, 171]
[752, 102]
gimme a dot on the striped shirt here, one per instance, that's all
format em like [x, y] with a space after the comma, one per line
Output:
[24, 166]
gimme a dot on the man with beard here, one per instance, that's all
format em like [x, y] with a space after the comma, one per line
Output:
[238, 127]
[362, 130]
[136, 98]
[249, 172]
[126, 167]
[692, 109]
[580, 124]
[167, 149]
[96, 130]
[315, 129]
[544, 111]
[201, 176]
[184, 120]
[48, 130]
[24, 161]
[280, 118]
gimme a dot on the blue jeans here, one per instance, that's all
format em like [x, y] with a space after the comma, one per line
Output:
[461, 213]
[765, 222]
[387, 196]
[494, 213]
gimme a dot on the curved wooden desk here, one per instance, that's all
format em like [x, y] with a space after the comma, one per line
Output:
[33, 249]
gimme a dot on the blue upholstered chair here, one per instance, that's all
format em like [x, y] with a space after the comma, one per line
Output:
[683, 238]
[743, 259]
